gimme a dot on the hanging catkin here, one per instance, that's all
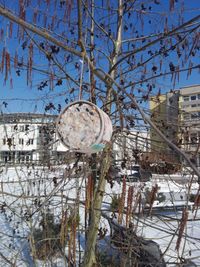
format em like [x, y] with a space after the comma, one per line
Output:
[3, 59]
[10, 29]
[35, 14]
[73, 229]
[129, 205]
[153, 194]
[30, 62]
[122, 201]
[2, 34]
[182, 226]
[7, 66]
[16, 60]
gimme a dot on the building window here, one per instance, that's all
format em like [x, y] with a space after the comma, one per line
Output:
[14, 128]
[10, 141]
[30, 142]
[28, 157]
[193, 138]
[193, 97]
[21, 141]
[193, 105]
[24, 156]
[21, 128]
[21, 156]
[186, 98]
[26, 127]
[186, 116]
[195, 115]
[8, 156]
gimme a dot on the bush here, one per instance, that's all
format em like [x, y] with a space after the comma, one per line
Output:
[104, 260]
[47, 240]
[115, 202]
[51, 240]
[73, 219]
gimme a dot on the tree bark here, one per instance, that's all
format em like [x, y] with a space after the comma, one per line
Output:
[90, 258]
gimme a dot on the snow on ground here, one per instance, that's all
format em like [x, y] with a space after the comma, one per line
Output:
[164, 231]
[163, 225]
[26, 191]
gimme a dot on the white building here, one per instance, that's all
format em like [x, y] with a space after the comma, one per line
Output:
[130, 144]
[31, 138]
[28, 137]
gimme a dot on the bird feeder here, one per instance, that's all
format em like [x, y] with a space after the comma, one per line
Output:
[84, 128]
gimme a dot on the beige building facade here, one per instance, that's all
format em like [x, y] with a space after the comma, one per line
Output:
[177, 115]
[189, 121]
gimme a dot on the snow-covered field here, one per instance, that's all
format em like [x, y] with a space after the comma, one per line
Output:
[164, 223]
[27, 191]
[163, 230]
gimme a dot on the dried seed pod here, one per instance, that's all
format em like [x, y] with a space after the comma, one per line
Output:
[3, 59]
[16, 60]
[122, 201]
[153, 193]
[7, 66]
[182, 226]
[129, 205]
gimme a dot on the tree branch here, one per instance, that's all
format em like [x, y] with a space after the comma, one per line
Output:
[164, 35]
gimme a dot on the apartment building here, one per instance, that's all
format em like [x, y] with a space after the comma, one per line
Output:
[165, 114]
[189, 121]
[28, 137]
[31, 138]
[177, 115]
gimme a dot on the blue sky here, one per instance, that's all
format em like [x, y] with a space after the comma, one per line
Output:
[23, 98]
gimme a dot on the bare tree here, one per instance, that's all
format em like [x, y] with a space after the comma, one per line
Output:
[117, 54]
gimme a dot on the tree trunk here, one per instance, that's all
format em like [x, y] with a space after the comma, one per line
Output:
[89, 258]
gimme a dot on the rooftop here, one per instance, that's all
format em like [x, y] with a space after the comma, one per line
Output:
[26, 117]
